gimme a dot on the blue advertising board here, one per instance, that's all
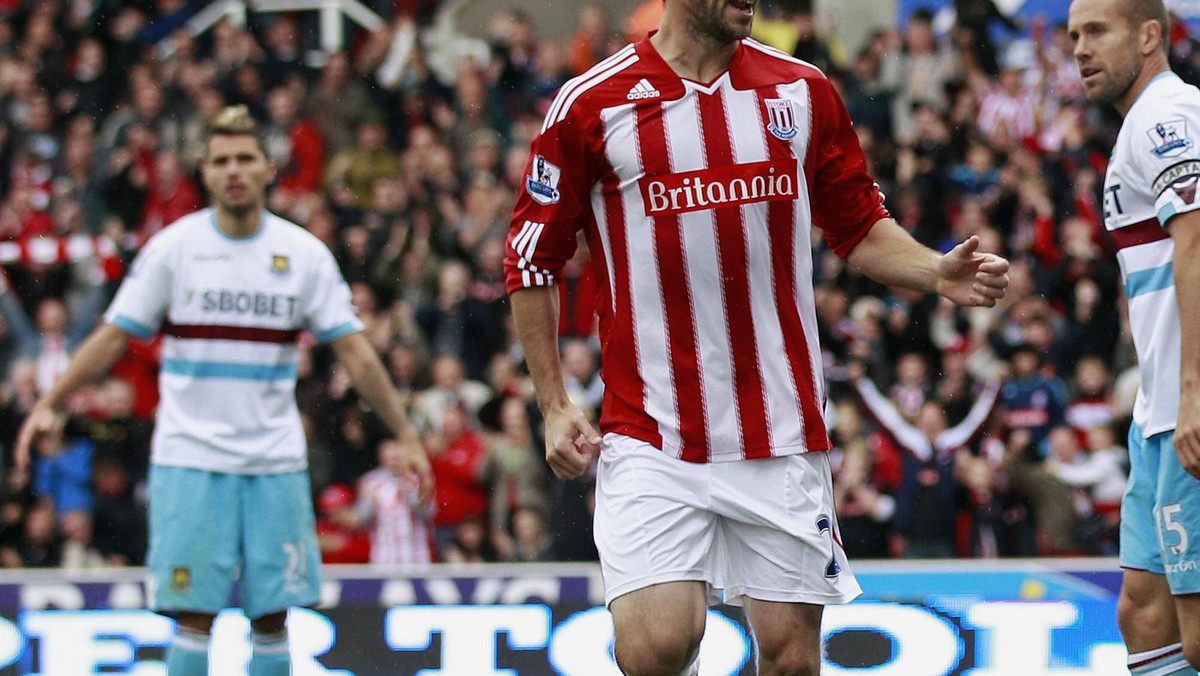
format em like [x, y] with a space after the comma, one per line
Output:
[1035, 618]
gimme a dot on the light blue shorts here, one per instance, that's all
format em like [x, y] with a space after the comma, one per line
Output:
[209, 530]
[1160, 515]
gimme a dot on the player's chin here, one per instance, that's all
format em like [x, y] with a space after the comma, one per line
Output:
[239, 205]
[740, 27]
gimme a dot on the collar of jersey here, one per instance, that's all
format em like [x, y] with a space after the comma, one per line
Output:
[212, 218]
[1161, 76]
[675, 85]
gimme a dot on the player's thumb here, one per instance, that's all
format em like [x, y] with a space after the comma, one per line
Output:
[966, 248]
[589, 433]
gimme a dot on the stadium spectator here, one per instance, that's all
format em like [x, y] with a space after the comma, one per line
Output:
[514, 471]
[62, 472]
[1090, 474]
[54, 333]
[41, 544]
[351, 174]
[294, 143]
[78, 549]
[1032, 400]
[926, 520]
[864, 512]
[388, 500]
[339, 535]
[592, 41]
[915, 72]
[531, 535]
[974, 19]
[458, 456]
[119, 517]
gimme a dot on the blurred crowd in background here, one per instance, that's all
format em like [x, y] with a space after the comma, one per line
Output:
[977, 433]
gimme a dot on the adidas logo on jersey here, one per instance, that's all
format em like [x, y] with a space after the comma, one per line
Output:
[642, 90]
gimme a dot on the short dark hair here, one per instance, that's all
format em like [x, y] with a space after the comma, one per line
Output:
[235, 121]
[1138, 11]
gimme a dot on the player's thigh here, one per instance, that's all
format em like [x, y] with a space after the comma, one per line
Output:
[786, 633]
[1139, 533]
[283, 560]
[195, 539]
[650, 526]
[778, 536]
[1178, 517]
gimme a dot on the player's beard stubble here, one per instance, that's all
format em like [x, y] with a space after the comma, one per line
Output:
[709, 19]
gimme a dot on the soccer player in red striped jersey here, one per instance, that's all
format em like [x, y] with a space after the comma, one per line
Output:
[696, 163]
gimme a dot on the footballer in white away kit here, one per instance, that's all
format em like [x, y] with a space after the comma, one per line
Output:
[696, 163]
[231, 288]
[1150, 208]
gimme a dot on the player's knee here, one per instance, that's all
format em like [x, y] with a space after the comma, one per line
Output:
[788, 659]
[197, 623]
[273, 623]
[654, 654]
[1144, 614]
[1191, 652]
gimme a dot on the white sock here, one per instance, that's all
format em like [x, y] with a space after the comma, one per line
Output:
[1165, 661]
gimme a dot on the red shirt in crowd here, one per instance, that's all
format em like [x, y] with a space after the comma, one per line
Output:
[456, 471]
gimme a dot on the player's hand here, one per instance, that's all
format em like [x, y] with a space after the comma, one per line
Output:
[1187, 433]
[971, 278]
[42, 418]
[415, 463]
[570, 441]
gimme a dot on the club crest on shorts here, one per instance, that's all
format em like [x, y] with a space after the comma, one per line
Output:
[280, 264]
[542, 183]
[181, 580]
[1169, 138]
[781, 119]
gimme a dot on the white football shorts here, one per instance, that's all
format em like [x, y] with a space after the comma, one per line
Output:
[762, 528]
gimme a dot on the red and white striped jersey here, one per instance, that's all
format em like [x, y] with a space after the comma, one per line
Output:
[1015, 115]
[698, 201]
[401, 525]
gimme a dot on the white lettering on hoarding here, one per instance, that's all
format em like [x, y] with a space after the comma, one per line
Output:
[1009, 638]
[81, 642]
[468, 634]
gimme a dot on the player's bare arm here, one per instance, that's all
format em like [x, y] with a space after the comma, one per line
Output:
[371, 381]
[1185, 230]
[889, 255]
[92, 360]
[570, 438]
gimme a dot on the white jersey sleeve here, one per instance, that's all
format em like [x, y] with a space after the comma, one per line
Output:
[1165, 149]
[145, 293]
[328, 310]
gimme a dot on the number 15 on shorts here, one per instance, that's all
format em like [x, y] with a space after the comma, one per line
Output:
[1172, 534]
